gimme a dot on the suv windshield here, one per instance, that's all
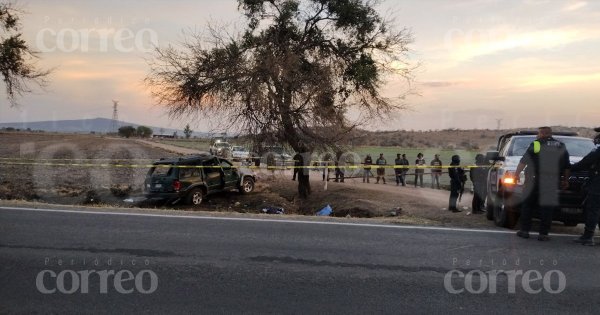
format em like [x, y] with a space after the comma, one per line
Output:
[575, 146]
[238, 149]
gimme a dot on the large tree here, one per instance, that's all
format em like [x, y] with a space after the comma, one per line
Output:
[17, 59]
[295, 75]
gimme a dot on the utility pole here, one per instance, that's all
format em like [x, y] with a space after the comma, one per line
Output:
[115, 117]
[499, 123]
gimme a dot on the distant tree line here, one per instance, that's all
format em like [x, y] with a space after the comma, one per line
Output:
[131, 131]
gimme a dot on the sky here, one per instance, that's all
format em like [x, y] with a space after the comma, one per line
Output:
[482, 63]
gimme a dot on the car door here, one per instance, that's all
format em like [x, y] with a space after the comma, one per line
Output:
[213, 174]
[230, 175]
[189, 175]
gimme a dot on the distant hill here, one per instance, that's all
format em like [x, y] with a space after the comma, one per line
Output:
[98, 125]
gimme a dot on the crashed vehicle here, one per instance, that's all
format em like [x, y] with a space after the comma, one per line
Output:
[505, 193]
[191, 179]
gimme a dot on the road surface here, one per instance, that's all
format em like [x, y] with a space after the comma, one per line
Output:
[244, 265]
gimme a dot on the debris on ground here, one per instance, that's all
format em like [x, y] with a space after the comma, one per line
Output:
[325, 212]
[273, 210]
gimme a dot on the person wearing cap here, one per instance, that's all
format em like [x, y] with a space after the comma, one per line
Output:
[457, 177]
[548, 169]
[591, 163]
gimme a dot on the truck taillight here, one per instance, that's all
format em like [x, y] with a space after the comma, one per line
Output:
[176, 185]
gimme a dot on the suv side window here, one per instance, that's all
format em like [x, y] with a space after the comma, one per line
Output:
[189, 172]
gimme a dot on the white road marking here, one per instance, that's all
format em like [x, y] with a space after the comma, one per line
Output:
[198, 217]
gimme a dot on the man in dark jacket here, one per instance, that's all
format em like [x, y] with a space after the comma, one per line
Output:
[547, 162]
[405, 164]
[398, 170]
[457, 178]
[591, 163]
[297, 165]
[367, 169]
[478, 175]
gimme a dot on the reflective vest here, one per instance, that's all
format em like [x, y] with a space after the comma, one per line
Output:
[537, 147]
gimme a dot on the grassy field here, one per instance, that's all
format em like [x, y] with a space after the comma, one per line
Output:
[197, 144]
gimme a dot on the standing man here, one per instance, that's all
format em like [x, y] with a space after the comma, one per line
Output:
[547, 160]
[297, 165]
[478, 175]
[405, 164]
[340, 170]
[419, 163]
[398, 170]
[436, 171]
[367, 169]
[591, 163]
[457, 177]
[381, 162]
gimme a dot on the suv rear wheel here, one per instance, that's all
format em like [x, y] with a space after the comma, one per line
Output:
[247, 185]
[195, 197]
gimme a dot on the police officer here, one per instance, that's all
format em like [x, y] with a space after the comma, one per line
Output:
[398, 170]
[546, 160]
[405, 164]
[591, 163]
[297, 165]
[457, 176]
[367, 169]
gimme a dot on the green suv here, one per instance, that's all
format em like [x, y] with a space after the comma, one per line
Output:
[191, 179]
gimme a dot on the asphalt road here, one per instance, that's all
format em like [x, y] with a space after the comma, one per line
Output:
[231, 265]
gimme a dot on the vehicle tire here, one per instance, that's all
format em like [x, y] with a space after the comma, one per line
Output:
[195, 197]
[247, 185]
[505, 216]
[500, 216]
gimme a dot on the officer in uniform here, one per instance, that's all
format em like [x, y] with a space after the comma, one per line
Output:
[591, 163]
[297, 165]
[405, 165]
[367, 169]
[457, 178]
[546, 160]
[398, 170]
